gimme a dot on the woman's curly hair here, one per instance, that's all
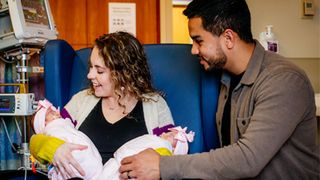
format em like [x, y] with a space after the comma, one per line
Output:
[124, 55]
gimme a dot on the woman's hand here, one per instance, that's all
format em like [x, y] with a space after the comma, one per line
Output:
[63, 160]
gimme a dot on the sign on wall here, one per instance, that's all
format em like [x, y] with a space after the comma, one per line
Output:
[122, 17]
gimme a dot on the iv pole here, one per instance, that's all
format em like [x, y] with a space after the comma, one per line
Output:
[22, 57]
[23, 79]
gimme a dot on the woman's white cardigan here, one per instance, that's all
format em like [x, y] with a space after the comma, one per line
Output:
[156, 111]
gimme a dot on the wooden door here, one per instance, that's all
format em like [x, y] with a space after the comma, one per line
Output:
[79, 22]
[70, 17]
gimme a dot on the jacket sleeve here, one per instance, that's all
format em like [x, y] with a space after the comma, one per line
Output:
[43, 147]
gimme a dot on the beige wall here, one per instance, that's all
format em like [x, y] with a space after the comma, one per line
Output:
[180, 26]
[312, 68]
[165, 21]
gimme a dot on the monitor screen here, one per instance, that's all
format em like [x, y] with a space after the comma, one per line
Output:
[7, 103]
[6, 28]
[26, 22]
[4, 104]
[35, 13]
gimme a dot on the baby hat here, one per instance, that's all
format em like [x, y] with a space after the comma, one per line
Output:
[39, 118]
[182, 140]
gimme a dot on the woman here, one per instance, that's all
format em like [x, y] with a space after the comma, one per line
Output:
[120, 105]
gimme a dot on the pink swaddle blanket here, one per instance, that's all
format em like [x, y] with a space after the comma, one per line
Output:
[89, 159]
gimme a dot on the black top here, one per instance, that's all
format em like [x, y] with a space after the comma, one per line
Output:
[109, 137]
[225, 127]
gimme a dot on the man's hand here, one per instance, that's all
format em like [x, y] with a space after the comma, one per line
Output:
[63, 160]
[142, 166]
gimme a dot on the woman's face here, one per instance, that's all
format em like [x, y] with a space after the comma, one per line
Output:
[100, 75]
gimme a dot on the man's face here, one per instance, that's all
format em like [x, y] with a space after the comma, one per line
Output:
[206, 46]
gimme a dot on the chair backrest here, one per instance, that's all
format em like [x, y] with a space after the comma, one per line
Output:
[190, 93]
[62, 67]
[180, 76]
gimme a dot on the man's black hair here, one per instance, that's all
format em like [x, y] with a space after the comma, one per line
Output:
[219, 15]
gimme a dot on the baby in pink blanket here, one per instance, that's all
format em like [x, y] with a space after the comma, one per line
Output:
[174, 142]
[49, 122]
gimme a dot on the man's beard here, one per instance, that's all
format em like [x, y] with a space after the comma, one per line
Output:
[216, 63]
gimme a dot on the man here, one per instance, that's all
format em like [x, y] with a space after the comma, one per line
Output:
[266, 112]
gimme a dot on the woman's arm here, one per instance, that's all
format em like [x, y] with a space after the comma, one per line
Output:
[48, 149]
[165, 116]
[43, 147]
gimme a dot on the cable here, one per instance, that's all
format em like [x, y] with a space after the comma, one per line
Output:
[19, 130]
[5, 128]
[25, 173]
[6, 61]
[7, 133]
[24, 129]
[42, 172]
[38, 171]
[18, 90]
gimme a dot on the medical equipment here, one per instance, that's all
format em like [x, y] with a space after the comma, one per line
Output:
[17, 104]
[26, 23]
[25, 27]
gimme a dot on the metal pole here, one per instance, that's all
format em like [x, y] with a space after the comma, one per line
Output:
[23, 72]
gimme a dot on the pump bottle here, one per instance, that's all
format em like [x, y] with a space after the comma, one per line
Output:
[268, 40]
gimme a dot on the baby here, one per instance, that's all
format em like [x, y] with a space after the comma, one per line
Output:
[174, 142]
[48, 121]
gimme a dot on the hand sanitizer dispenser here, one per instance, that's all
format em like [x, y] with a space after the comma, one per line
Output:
[268, 40]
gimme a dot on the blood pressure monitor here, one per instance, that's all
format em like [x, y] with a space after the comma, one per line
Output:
[17, 104]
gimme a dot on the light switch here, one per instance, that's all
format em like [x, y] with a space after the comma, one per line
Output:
[308, 8]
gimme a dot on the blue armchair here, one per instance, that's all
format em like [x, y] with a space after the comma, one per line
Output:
[190, 92]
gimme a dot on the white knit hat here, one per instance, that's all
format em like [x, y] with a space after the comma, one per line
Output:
[40, 117]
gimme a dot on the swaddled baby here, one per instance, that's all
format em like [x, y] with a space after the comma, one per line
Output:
[48, 121]
[174, 142]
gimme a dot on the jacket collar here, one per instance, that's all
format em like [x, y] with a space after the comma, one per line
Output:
[254, 65]
[253, 68]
